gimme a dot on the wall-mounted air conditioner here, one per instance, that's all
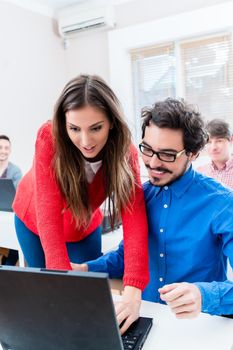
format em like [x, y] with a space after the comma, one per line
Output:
[76, 19]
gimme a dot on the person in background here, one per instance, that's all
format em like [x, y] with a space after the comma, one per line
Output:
[82, 157]
[190, 218]
[219, 148]
[8, 170]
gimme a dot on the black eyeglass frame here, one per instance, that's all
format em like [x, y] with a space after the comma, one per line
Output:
[158, 154]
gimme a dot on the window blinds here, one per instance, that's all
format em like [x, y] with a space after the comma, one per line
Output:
[200, 70]
[207, 73]
[153, 75]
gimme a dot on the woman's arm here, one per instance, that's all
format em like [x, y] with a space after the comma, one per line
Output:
[49, 202]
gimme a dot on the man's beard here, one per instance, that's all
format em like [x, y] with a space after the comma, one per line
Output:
[165, 170]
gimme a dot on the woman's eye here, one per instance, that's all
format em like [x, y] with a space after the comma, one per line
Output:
[73, 129]
[97, 128]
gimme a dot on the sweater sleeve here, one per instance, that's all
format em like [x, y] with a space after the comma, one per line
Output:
[135, 233]
[49, 202]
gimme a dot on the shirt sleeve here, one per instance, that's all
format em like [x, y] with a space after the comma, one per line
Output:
[14, 173]
[17, 175]
[111, 263]
[49, 203]
[217, 297]
[135, 233]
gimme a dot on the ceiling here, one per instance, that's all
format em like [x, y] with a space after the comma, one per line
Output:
[58, 4]
[50, 7]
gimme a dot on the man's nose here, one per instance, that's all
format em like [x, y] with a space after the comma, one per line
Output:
[155, 161]
[213, 145]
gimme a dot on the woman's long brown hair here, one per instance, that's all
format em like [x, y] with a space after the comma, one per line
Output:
[87, 90]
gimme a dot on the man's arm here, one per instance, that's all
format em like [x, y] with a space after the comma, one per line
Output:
[111, 263]
[14, 173]
[217, 297]
[184, 299]
[187, 300]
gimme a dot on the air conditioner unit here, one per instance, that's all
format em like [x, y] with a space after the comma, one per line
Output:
[74, 20]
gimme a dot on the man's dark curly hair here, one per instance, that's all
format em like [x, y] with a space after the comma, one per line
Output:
[178, 115]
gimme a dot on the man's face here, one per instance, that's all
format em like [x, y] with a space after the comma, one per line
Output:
[219, 149]
[5, 149]
[168, 141]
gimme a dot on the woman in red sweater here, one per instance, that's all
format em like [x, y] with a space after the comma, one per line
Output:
[82, 158]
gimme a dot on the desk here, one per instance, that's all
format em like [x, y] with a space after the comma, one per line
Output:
[168, 333]
[8, 237]
[202, 333]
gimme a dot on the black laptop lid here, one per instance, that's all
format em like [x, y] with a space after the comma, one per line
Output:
[7, 194]
[56, 311]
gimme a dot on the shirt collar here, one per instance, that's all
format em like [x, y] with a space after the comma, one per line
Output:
[180, 186]
[228, 165]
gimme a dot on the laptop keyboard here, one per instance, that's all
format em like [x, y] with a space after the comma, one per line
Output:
[130, 339]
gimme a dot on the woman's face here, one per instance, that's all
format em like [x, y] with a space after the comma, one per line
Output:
[88, 128]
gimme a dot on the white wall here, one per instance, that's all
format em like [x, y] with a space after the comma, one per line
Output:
[32, 71]
[88, 53]
[139, 11]
[107, 53]
[204, 21]
[34, 65]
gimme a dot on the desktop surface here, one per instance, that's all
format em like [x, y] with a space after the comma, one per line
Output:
[204, 332]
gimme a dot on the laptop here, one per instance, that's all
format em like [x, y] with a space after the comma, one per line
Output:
[7, 194]
[61, 310]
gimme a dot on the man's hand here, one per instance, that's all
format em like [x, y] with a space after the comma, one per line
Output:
[127, 309]
[79, 267]
[184, 299]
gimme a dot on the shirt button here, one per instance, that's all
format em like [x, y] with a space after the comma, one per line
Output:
[166, 188]
[161, 255]
[161, 230]
[161, 279]
[165, 206]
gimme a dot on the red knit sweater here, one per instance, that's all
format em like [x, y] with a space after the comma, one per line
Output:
[40, 205]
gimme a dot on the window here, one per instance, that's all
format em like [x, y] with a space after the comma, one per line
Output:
[200, 71]
[153, 75]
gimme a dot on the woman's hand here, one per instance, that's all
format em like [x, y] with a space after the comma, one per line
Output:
[79, 267]
[127, 309]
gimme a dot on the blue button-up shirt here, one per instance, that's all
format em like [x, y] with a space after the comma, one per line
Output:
[190, 237]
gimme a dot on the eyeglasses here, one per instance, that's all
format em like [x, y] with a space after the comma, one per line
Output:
[164, 156]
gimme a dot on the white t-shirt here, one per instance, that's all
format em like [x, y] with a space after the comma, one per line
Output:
[91, 169]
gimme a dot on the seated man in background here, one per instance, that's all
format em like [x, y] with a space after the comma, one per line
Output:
[219, 148]
[8, 170]
[190, 218]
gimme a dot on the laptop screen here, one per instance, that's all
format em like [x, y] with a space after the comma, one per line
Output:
[53, 310]
[7, 194]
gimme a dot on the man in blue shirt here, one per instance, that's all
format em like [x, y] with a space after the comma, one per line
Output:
[190, 218]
